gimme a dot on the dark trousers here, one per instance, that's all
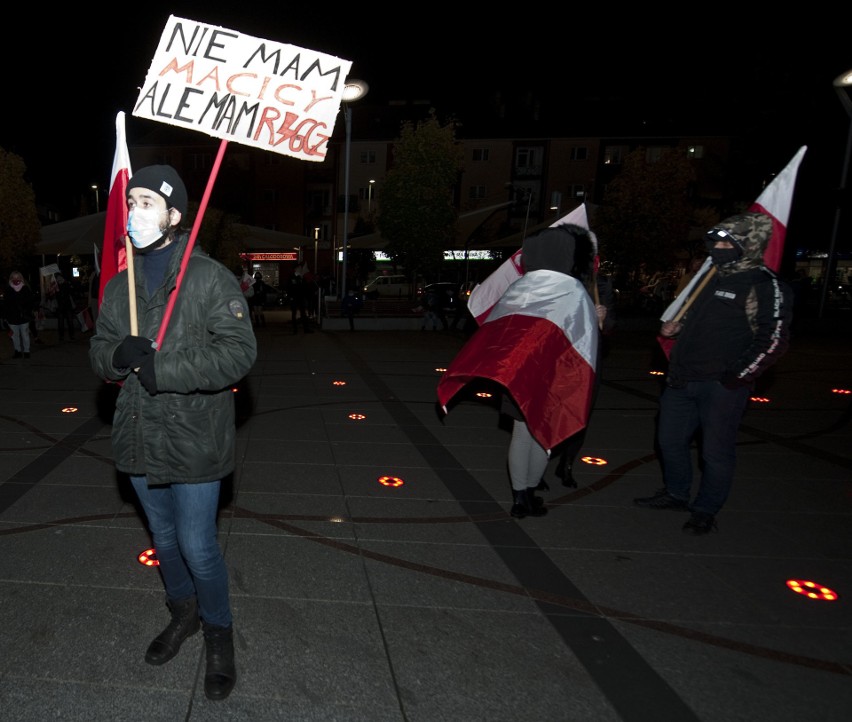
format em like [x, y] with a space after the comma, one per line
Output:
[65, 319]
[716, 412]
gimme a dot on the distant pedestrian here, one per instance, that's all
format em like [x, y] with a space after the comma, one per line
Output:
[350, 306]
[65, 316]
[257, 302]
[297, 291]
[18, 307]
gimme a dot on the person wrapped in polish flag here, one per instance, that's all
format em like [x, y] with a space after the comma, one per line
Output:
[539, 341]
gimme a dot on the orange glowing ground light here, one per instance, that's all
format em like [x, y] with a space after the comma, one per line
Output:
[70, 410]
[841, 391]
[338, 383]
[656, 373]
[812, 590]
[440, 369]
[483, 394]
[357, 417]
[148, 558]
[390, 481]
[593, 460]
[759, 399]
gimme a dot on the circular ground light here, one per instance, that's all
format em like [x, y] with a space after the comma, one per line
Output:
[812, 590]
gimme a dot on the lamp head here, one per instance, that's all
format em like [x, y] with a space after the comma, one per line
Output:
[354, 89]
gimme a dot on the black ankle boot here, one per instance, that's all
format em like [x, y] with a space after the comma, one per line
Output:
[566, 474]
[185, 623]
[221, 675]
[525, 506]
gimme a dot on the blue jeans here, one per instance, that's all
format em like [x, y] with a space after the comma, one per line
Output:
[182, 520]
[717, 412]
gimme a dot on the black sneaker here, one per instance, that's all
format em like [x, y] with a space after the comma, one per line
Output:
[700, 523]
[662, 500]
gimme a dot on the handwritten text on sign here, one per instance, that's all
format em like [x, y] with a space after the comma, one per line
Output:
[269, 95]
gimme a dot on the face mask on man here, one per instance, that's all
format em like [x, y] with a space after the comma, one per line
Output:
[724, 256]
[143, 226]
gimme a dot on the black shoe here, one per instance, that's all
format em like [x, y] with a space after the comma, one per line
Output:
[662, 500]
[221, 674]
[17, 354]
[700, 523]
[184, 624]
[26, 354]
[567, 476]
[525, 505]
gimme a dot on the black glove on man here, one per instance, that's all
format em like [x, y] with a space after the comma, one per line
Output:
[131, 351]
[146, 374]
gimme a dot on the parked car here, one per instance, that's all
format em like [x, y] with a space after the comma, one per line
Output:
[392, 286]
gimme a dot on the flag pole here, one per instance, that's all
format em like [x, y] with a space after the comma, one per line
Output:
[192, 236]
[695, 294]
[131, 287]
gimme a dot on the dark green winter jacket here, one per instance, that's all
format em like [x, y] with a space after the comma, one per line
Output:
[186, 432]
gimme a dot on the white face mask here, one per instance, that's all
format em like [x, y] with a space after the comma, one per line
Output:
[143, 226]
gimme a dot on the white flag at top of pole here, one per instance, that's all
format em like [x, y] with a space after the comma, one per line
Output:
[114, 254]
[775, 201]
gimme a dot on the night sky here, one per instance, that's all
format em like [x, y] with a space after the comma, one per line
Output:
[68, 74]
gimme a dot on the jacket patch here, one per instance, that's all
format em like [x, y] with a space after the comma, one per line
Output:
[725, 294]
[237, 309]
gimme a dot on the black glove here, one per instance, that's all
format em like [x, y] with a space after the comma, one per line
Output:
[146, 374]
[131, 351]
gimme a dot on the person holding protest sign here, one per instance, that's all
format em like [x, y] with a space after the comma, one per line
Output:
[174, 428]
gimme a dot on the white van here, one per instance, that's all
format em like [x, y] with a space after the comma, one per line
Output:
[396, 286]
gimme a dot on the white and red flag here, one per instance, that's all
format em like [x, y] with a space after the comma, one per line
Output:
[486, 294]
[539, 341]
[114, 253]
[775, 201]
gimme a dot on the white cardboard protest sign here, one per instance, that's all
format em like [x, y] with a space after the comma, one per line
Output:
[262, 93]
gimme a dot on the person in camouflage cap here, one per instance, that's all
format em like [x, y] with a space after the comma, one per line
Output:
[737, 328]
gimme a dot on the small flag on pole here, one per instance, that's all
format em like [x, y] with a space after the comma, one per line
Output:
[114, 254]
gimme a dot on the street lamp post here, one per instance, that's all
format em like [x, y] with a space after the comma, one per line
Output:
[370, 199]
[97, 199]
[353, 90]
[316, 274]
[842, 84]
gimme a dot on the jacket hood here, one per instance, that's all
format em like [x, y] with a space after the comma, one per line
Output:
[565, 248]
[750, 232]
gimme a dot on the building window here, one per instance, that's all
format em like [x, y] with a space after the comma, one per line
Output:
[476, 192]
[695, 151]
[368, 156]
[528, 161]
[480, 154]
[614, 154]
[580, 153]
[578, 190]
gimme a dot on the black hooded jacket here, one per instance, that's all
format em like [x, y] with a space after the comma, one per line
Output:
[740, 323]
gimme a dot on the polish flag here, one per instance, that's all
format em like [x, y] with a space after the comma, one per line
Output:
[114, 254]
[484, 295]
[776, 201]
[539, 341]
